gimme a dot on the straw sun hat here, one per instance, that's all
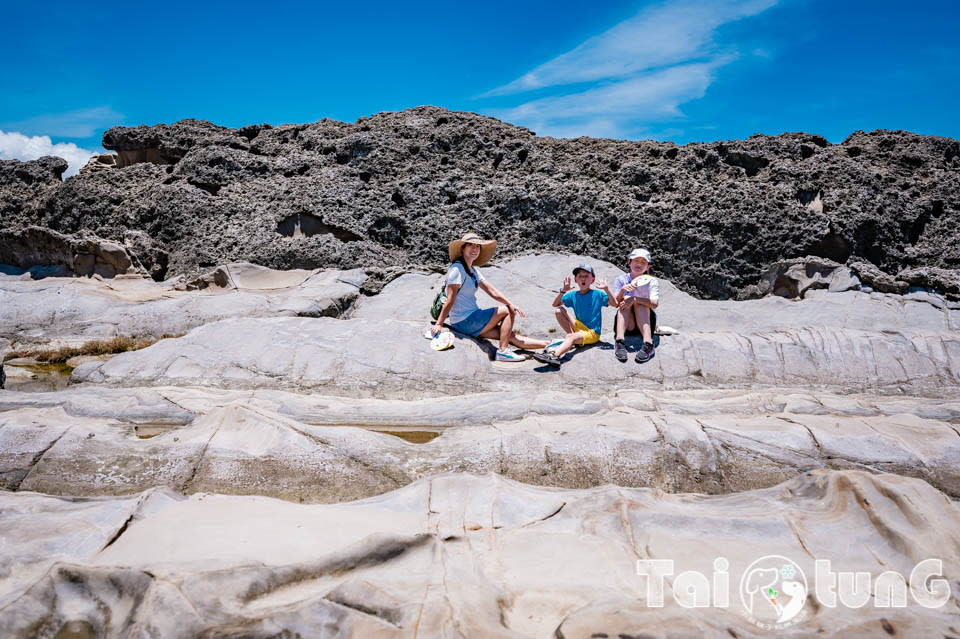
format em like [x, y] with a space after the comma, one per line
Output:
[487, 247]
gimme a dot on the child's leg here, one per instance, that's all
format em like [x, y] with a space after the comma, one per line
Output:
[643, 321]
[569, 342]
[564, 319]
[627, 321]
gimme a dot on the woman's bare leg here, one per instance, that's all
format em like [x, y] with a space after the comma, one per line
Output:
[506, 336]
[527, 343]
[490, 331]
[506, 330]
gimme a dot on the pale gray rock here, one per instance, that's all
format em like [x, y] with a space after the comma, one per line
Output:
[302, 447]
[460, 555]
[352, 357]
[180, 405]
[80, 308]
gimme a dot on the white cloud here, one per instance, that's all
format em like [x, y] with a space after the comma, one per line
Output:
[651, 96]
[82, 123]
[17, 146]
[639, 71]
[664, 34]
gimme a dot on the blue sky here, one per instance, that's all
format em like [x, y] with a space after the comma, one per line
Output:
[681, 70]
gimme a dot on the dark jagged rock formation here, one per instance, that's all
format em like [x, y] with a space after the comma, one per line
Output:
[393, 189]
[23, 186]
[85, 255]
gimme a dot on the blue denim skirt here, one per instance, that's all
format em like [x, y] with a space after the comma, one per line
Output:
[474, 324]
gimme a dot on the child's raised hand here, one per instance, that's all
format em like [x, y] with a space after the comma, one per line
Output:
[566, 284]
[601, 284]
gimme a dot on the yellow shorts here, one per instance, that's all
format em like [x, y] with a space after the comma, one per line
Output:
[589, 335]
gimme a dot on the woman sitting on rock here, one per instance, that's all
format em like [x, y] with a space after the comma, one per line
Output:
[463, 280]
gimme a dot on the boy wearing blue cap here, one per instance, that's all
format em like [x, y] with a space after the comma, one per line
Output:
[584, 324]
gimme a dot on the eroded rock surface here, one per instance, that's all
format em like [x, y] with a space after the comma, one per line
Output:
[392, 189]
[297, 385]
[459, 555]
[351, 357]
[850, 340]
[83, 255]
[56, 308]
[308, 448]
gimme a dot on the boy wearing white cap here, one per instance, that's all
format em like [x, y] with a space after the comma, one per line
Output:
[637, 294]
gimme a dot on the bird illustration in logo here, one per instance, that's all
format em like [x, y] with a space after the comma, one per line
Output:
[762, 580]
[798, 596]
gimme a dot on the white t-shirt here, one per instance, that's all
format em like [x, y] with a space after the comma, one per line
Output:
[466, 302]
[650, 290]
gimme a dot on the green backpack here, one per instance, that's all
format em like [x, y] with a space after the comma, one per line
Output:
[437, 306]
[441, 297]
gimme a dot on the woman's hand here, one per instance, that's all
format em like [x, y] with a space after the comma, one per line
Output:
[515, 309]
[436, 328]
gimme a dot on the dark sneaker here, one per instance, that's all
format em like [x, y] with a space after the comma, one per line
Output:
[621, 350]
[645, 354]
[547, 358]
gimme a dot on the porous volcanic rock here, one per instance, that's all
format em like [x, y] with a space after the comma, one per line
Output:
[23, 186]
[101, 163]
[393, 189]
